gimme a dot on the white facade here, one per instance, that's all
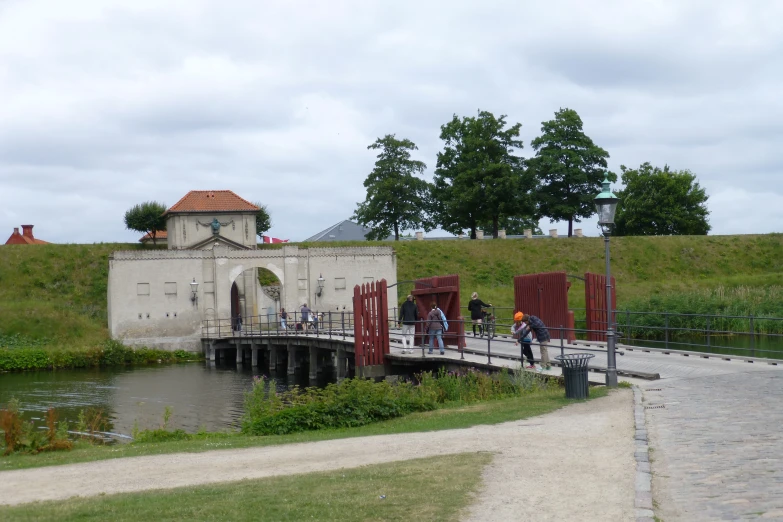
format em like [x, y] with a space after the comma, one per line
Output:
[187, 229]
[149, 292]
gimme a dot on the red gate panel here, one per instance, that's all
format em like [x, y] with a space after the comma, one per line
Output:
[544, 295]
[443, 291]
[370, 327]
[595, 305]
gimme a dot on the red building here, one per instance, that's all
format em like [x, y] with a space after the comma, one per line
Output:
[25, 238]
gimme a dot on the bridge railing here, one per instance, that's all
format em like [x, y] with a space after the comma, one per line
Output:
[329, 323]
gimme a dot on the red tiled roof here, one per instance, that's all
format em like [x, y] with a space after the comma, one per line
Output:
[160, 234]
[23, 239]
[212, 201]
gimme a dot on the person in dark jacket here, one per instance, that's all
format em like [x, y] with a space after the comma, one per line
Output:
[474, 307]
[542, 336]
[409, 314]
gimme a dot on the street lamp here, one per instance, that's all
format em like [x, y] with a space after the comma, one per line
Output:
[605, 205]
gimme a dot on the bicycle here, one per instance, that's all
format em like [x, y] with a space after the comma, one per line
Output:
[488, 322]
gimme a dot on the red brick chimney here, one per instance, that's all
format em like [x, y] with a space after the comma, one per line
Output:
[27, 231]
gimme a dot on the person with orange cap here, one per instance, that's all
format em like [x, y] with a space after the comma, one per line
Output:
[517, 331]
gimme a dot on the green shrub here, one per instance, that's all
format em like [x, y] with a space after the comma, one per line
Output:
[161, 435]
[356, 402]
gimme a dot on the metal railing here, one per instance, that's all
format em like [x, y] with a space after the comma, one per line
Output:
[721, 334]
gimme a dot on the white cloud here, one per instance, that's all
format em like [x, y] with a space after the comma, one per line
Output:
[107, 103]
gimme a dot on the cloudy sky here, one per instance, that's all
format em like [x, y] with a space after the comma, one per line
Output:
[104, 104]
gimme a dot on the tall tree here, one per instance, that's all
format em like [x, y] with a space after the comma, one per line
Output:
[478, 179]
[147, 218]
[658, 202]
[396, 198]
[263, 219]
[569, 168]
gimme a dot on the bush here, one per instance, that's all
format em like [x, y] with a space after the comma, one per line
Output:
[20, 436]
[356, 402]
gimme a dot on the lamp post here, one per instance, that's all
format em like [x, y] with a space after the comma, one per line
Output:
[605, 205]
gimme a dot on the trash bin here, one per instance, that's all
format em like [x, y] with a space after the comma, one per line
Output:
[575, 374]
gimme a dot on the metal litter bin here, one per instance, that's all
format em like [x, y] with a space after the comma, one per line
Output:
[575, 374]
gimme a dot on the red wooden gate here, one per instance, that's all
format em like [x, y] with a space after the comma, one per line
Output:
[595, 305]
[443, 291]
[370, 327]
[545, 295]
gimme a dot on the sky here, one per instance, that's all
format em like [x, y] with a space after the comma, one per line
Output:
[105, 104]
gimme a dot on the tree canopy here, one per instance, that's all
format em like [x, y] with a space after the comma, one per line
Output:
[658, 202]
[263, 219]
[569, 168]
[396, 198]
[146, 218]
[478, 179]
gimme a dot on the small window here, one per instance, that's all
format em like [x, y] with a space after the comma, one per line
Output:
[339, 283]
[142, 289]
[170, 288]
[302, 284]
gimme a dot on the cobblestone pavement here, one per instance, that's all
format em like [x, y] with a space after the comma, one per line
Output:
[717, 446]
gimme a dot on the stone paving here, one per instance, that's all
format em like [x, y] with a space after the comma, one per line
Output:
[716, 446]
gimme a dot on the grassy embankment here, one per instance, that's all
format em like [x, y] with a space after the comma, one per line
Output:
[436, 488]
[55, 295]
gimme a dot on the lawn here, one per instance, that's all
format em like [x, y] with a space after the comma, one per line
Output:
[434, 489]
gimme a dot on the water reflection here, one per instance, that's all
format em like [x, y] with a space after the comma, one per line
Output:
[202, 395]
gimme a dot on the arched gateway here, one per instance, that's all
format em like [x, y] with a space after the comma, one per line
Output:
[151, 302]
[160, 297]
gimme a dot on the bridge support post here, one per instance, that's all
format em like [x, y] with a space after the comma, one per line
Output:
[240, 353]
[339, 363]
[313, 363]
[254, 355]
[291, 359]
[272, 357]
[211, 352]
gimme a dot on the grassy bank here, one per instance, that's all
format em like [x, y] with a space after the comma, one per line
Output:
[56, 294]
[453, 416]
[435, 488]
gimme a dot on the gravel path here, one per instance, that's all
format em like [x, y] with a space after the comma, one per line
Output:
[575, 463]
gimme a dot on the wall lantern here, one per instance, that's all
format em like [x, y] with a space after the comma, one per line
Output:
[321, 282]
[605, 205]
[194, 292]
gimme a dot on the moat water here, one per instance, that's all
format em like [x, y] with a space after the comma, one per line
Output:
[199, 395]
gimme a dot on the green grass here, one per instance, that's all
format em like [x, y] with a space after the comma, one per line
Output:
[452, 417]
[57, 293]
[435, 488]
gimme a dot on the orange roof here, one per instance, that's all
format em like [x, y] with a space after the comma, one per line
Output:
[160, 234]
[212, 201]
[26, 238]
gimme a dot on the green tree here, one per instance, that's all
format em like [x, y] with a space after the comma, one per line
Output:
[569, 168]
[396, 198]
[263, 219]
[146, 218]
[516, 226]
[478, 179]
[660, 202]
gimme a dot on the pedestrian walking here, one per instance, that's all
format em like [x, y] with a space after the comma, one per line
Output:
[283, 319]
[409, 314]
[436, 324]
[238, 322]
[538, 327]
[305, 312]
[476, 313]
[517, 329]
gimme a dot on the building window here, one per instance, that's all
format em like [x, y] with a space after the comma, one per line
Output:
[339, 283]
[170, 288]
[142, 289]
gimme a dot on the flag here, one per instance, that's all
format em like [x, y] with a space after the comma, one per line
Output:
[270, 239]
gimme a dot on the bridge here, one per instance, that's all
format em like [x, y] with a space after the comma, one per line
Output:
[330, 344]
